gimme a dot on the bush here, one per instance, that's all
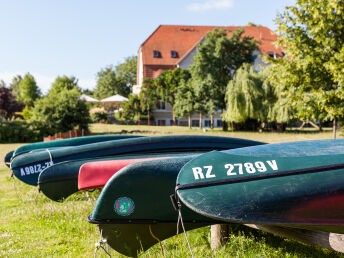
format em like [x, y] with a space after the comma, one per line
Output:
[99, 117]
[18, 131]
[60, 112]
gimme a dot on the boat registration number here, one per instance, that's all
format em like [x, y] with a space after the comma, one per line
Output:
[236, 169]
[37, 168]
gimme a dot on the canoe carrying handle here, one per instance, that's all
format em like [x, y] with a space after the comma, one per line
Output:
[51, 156]
[259, 177]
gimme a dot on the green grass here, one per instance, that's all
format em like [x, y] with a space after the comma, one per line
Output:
[33, 226]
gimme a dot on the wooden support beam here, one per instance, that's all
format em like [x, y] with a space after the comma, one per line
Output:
[219, 235]
[327, 240]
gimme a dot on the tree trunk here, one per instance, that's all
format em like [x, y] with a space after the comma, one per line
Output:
[200, 120]
[232, 126]
[327, 240]
[302, 125]
[139, 118]
[212, 121]
[174, 118]
[334, 129]
[219, 235]
[189, 121]
[224, 126]
[148, 117]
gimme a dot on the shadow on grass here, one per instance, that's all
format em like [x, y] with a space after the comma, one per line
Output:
[289, 246]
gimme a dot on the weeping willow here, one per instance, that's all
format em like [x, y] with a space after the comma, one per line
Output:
[245, 96]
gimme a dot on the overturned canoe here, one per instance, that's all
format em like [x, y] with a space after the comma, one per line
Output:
[27, 166]
[298, 184]
[144, 190]
[95, 174]
[70, 142]
[134, 208]
[7, 158]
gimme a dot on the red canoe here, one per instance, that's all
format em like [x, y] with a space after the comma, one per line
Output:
[96, 174]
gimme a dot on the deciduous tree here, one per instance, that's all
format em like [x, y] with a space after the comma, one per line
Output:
[29, 90]
[311, 35]
[217, 58]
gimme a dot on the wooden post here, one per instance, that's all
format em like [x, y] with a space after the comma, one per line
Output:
[327, 240]
[200, 120]
[334, 128]
[219, 235]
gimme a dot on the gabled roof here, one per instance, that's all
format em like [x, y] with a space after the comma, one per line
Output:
[183, 38]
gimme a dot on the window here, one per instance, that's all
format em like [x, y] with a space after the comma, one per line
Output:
[272, 55]
[206, 123]
[219, 123]
[161, 122]
[156, 54]
[195, 123]
[160, 105]
[174, 54]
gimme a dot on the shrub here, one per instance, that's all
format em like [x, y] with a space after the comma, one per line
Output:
[18, 131]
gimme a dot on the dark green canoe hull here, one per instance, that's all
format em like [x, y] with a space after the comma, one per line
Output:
[297, 185]
[8, 158]
[149, 185]
[27, 167]
[70, 142]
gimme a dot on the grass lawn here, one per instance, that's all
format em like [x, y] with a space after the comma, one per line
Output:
[33, 226]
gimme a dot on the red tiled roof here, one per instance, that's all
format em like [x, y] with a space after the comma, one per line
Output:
[184, 38]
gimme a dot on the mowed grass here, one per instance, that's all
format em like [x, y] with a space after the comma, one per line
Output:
[31, 225]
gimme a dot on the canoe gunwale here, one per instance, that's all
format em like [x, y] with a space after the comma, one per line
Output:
[146, 221]
[260, 177]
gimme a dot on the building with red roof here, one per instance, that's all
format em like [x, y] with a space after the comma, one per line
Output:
[172, 46]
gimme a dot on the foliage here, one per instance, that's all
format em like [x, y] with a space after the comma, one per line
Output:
[26, 113]
[312, 71]
[215, 62]
[148, 95]
[244, 96]
[126, 75]
[8, 103]
[60, 112]
[18, 131]
[116, 80]
[131, 107]
[64, 83]
[99, 116]
[185, 100]
[29, 90]
[15, 86]
[167, 84]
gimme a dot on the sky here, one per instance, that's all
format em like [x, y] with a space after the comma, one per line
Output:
[79, 37]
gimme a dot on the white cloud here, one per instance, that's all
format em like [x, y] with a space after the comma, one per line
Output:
[44, 81]
[210, 5]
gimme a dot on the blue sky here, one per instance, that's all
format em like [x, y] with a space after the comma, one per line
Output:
[74, 37]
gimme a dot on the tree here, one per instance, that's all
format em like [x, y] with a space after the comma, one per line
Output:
[15, 86]
[131, 107]
[185, 101]
[64, 83]
[126, 75]
[116, 80]
[215, 62]
[167, 84]
[8, 103]
[29, 90]
[60, 112]
[244, 96]
[311, 35]
[148, 96]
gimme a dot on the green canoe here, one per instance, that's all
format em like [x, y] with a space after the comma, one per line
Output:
[59, 181]
[27, 166]
[7, 158]
[70, 142]
[146, 187]
[297, 184]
